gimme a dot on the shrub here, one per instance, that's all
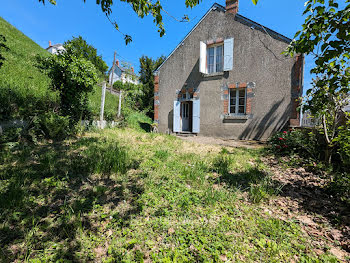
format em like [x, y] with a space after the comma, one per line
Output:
[74, 78]
[291, 142]
[343, 141]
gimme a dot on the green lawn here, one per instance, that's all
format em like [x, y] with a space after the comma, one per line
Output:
[121, 195]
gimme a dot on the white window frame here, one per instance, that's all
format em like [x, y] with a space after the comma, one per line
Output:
[215, 64]
[237, 102]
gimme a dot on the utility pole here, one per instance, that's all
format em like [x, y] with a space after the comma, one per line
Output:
[113, 67]
[103, 102]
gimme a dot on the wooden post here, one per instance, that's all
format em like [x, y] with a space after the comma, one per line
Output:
[103, 101]
[113, 67]
[120, 103]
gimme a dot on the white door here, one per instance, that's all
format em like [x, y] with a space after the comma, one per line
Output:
[185, 115]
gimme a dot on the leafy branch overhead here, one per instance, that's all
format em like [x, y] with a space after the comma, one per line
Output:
[325, 36]
[142, 8]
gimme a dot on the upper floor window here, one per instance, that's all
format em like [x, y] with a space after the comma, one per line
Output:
[215, 59]
[238, 100]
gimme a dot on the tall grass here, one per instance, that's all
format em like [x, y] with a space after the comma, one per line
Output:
[24, 89]
[111, 104]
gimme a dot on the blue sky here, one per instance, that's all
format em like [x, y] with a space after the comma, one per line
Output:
[72, 18]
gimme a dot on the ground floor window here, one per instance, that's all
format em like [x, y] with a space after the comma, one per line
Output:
[238, 101]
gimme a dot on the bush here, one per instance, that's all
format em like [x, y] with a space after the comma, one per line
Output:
[301, 142]
[74, 78]
[10, 135]
[343, 141]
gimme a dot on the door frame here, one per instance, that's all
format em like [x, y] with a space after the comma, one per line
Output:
[190, 115]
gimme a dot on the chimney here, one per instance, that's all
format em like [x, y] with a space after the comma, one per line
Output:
[232, 6]
[50, 44]
[117, 63]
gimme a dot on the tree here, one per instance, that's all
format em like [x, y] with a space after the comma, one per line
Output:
[147, 67]
[326, 36]
[142, 8]
[73, 77]
[80, 48]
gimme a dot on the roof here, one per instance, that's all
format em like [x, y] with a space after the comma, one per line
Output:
[56, 45]
[241, 19]
[122, 70]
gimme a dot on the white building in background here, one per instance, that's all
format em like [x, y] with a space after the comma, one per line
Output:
[309, 121]
[55, 49]
[123, 75]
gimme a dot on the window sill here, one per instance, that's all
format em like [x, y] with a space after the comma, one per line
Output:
[215, 74]
[236, 117]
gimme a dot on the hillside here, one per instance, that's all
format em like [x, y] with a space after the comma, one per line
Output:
[24, 90]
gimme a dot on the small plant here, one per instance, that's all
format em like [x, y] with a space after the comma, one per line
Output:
[221, 164]
[54, 126]
[161, 154]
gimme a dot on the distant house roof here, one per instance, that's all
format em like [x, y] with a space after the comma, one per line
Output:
[122, 69]
[240, 19]
[56, 46]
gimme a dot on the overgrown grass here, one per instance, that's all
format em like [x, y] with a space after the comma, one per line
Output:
[24, 89]
[129, 196]
[111, 104]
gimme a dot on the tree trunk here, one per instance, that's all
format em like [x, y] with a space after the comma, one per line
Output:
[328, 154]
[328, 150]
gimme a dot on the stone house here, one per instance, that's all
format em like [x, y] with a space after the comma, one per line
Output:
[122, 74]
[227, 78]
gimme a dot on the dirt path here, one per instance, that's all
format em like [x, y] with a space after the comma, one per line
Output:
[223, 142]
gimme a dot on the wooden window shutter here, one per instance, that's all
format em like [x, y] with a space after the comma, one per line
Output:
[176, 117]
[196, 116]
[203, 58]
[228, 54]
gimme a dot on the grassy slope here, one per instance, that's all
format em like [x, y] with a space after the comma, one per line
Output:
[111, 104]
[128, 196]
[24, 86]
[20, 80]
[18, 70]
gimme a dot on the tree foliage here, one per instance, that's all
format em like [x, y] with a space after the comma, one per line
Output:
[142, 8]
[73, 77]
[325, 35]
[147, 67]
[80, 48]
